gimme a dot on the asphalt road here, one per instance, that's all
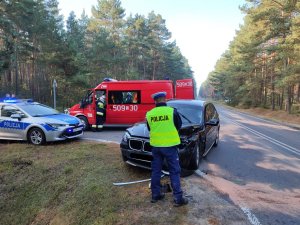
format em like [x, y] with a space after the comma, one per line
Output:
[108, 134]
[257, 164]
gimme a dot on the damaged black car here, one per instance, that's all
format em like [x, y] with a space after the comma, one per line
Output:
[198, 134]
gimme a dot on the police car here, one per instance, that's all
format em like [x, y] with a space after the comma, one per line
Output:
[36, 123]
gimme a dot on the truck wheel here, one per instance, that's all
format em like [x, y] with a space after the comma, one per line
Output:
[36, 136]
[85, 122]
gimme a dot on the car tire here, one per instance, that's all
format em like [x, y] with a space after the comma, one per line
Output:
[185, 173]
[217, 139]
[197, 156]
[85, 122]
[194, 163]
[36, 136]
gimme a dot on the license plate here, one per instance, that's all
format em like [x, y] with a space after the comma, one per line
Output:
[77, 129]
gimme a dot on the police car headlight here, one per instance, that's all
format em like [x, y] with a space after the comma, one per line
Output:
[125, 137]
[57, 125]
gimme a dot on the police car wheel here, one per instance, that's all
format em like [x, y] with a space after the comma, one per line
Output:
[36, 136]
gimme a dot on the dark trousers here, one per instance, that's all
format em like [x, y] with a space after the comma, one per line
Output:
[100, 117]
[100, 120]
[171, 156]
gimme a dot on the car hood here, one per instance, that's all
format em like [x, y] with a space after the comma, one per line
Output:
[141, 130]
[59, 118]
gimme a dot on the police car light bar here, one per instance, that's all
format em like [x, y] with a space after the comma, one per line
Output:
[16, 100]
[10, 100]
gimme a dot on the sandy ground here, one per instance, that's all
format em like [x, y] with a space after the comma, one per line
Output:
[259, 196]
[208, 206]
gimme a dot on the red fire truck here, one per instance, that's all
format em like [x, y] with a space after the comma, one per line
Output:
[127, 102]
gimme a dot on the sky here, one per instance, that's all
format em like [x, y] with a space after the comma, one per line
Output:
[202, 29]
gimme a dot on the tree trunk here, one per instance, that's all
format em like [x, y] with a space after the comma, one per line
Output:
[281, 99]
[298, 95]
[272, 90]
[289, 99]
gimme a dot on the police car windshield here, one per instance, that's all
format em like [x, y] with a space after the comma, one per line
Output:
[190, 114]
[37, 110]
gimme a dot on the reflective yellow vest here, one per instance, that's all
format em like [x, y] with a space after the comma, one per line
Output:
[163, 132]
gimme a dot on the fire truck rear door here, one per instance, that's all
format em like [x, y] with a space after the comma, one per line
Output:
[185, 89]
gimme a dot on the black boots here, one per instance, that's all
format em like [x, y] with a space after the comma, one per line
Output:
[161, 197]
[181, 202]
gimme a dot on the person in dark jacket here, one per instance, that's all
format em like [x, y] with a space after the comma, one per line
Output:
[163, 123]
[100, 112]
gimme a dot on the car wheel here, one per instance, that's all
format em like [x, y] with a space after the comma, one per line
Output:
[196, 158]
[185, 173]
[195, 162]
[36, 136]
[85, 122]
[217, 139]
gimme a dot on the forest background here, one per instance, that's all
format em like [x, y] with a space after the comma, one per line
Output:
[261, 68]
[38, 47]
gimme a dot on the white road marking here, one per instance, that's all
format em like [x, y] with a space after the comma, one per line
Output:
[251, 217]
[274, 141]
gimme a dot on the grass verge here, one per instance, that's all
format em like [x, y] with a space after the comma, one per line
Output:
[280, 116]
[71, 183]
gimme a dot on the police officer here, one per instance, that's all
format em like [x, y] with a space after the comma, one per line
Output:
[164, 122]
[100, 112]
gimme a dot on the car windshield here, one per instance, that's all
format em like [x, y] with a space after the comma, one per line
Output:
[190, 114]
[36, 110]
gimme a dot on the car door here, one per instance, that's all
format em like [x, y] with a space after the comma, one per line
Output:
[89, 107]
[215, 117]
[209, 130]
[10, 128]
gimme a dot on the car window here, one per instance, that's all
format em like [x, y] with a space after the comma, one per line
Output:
[89, 98]
[124, 97]
[190, 114]
[8, 110]
[209, 112]
[214, 112]
[38, 110]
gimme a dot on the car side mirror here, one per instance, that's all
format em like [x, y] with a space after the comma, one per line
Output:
[16, 116]
[212, 122]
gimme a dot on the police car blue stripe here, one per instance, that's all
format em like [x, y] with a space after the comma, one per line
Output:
[13, 125]
[47, 127]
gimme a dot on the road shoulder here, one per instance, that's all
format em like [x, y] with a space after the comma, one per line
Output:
[268, 115]
[209, 206]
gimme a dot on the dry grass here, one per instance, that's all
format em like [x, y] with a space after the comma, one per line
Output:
[71, 183]
[277, 115]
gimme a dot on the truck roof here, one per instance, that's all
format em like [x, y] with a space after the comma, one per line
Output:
[100, 86]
